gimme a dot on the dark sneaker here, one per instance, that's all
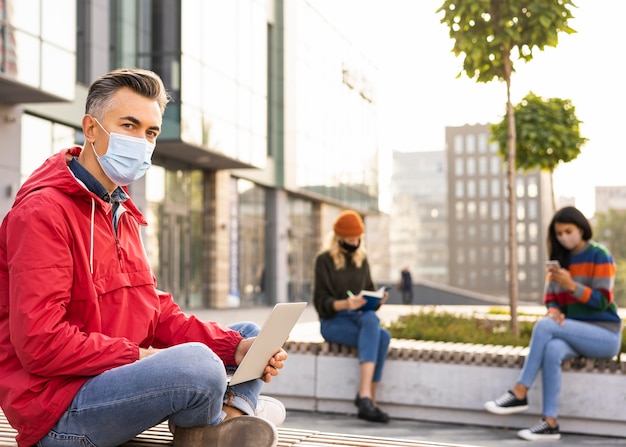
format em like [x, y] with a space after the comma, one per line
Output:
[368, 411]
[242, 431]
[541, 431]
[507, 404]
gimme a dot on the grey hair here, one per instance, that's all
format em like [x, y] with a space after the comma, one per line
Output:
[144, 82]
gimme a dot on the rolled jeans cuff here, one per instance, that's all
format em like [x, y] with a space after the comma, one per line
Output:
[240, 402]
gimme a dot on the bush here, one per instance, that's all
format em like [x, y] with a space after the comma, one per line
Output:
[429, 324]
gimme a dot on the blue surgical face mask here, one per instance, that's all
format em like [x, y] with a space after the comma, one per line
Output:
[127, 158]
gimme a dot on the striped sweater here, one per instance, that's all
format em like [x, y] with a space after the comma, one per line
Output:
[593, 270]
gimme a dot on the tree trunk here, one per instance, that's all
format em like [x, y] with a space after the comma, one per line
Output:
[552, 190]
[513, 288]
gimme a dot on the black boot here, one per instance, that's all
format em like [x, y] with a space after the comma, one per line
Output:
[368, 411]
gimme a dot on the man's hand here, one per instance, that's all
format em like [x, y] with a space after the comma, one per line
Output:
[273, 365]
[143, 352]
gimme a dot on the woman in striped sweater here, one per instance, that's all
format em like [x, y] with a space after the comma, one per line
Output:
[581, 319]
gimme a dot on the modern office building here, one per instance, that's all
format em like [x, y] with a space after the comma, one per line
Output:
[270, 134]
[418, 229]
[478, 213]
[610, 198]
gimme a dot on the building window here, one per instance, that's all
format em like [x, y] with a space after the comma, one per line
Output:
[458, 144]
[496, 165]
[40, 139]
[483, 142]
[495, 210]
[470, 143]
[459, 210]
[458, 166]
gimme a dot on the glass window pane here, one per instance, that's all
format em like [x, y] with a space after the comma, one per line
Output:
[56, 28]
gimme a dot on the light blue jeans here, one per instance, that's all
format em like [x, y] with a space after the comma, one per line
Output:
[552, 343]
[185, 384]
[361, 330]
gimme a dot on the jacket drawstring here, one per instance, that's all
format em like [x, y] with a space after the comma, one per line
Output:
[93, 213]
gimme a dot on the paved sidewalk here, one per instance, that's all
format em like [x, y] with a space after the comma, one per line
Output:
[474, 436]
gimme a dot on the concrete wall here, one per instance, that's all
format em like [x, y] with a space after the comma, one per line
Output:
[590, 402]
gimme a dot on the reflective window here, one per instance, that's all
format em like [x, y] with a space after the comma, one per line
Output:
[471, 166]
[495, 233]
[483, 188]
[519, 187]
[458, 144]
[482, 165]
[40, 139]
[532, 189]
[532, 209]
[471, 188]
[521, 255]
[459, 210]
[495, 210]
[496, 186]
[458, 166]
[459, 188]
[496, 165]
[533, 254]
[302, 247]
[470, 143]
[174, 238]
[41, 34]
[521, 232]
[325, 68]
[533, 232]
[483, 142]
[471, 209]
[483, 209]
[252, 226]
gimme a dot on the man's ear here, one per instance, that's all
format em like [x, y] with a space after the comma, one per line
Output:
[89, 124]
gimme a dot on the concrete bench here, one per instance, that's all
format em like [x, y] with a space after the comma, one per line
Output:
[450, 382]
[287, 437]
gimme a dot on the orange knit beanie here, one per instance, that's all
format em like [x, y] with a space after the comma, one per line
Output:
[349, 224]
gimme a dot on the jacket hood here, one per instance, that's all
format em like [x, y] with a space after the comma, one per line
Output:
[55, 173]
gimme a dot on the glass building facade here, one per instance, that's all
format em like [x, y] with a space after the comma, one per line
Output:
[270, 132]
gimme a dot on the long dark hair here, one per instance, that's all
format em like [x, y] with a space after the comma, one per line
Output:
[568, 215]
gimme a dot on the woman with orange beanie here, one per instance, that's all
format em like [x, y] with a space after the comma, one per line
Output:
[341, 273]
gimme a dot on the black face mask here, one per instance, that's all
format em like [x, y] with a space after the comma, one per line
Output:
[349, 248]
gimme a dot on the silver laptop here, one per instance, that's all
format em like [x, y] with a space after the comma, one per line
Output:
[270, 340]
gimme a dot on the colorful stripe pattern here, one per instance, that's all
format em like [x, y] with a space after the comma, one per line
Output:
[593, 269]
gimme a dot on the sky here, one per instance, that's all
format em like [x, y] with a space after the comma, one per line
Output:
[419, 94]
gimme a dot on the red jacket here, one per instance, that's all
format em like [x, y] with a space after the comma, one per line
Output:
[77, 300]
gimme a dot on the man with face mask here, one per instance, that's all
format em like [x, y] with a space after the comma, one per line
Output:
[581, 320]
[341, 273]
[91, 352]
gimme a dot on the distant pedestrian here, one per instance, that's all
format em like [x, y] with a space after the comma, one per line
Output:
[406, 286]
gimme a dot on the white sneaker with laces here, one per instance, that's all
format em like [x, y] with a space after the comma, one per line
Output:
[271, 409]
[541, 431]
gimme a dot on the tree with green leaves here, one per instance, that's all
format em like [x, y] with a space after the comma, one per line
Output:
[547, 131]
[489, 34]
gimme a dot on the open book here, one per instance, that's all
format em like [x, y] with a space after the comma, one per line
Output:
[373, 298]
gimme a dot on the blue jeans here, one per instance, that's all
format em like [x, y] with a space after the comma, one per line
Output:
[552, 343]
[185, 384]
[361, 330]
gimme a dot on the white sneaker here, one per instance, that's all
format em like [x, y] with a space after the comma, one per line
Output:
[271, 409]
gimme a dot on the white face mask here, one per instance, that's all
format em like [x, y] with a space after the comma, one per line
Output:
[570, 241]
[127, 158]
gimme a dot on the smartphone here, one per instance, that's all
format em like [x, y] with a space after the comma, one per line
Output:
[554, 263]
